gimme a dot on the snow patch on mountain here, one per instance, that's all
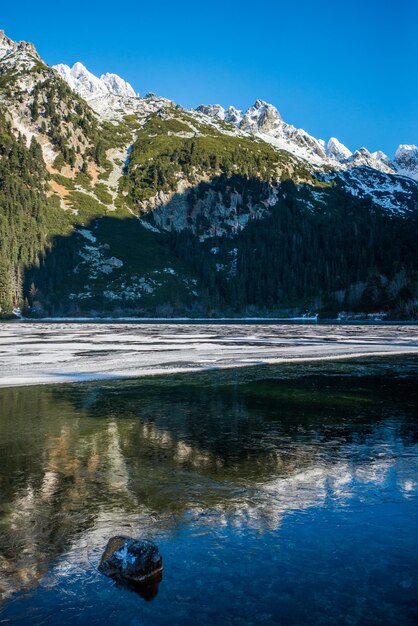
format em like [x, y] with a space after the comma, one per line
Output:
[396, 194]
[376, 160]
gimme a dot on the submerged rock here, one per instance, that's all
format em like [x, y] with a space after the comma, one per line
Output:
[131, 561]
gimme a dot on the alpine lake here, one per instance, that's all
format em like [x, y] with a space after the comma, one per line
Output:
[280, 494]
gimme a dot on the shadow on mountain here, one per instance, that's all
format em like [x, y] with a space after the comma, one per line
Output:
[233, 246]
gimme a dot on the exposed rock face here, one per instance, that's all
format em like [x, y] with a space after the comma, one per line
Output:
[262, 117]
[8, 46]
[212, 110]
[131, 561]
[231, 114]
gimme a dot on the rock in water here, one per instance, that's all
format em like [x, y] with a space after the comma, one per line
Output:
[128, 560]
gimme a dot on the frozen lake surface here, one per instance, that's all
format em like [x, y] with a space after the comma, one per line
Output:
[51, 352]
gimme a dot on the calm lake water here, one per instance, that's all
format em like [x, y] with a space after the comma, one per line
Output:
[277, 495]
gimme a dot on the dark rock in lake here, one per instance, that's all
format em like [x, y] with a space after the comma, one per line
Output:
[147, 589]
[131, 561]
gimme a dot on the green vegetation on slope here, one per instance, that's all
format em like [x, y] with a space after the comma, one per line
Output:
[173, 146]
[338, 252]
[23, 224]
[71, 125]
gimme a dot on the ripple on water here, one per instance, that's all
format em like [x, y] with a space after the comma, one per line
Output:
[275, 496]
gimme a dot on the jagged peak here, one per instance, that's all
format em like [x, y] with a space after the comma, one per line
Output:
[334, 149]
[406, 160]
[78, 69]
[264, 106]
[380, 154]
[5, 41]
[212, 110]
[217, 111]
[260, 103]
[118, 86]
[89, 86]
[8, 46]
[261, 117]
[233, 115]
[406, 151]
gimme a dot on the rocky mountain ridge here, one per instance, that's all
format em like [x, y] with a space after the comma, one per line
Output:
[145, 207]
[261, 119]
[264, 120]
[89, 86]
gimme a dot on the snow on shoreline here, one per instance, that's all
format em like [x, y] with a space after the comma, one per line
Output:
[41, 353]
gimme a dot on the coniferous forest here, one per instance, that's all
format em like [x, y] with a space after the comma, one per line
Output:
[167, 212]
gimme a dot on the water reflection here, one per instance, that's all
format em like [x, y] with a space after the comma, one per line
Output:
[217, 459]
[147, 590]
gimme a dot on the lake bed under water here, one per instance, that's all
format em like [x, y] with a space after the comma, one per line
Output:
[280, 494]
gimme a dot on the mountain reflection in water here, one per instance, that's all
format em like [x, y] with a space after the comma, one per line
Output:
[276, 495]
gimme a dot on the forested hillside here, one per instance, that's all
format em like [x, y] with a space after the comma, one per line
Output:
[119, 205]
[23, 212]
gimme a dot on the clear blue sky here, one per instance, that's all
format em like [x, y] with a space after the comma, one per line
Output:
[333, 67]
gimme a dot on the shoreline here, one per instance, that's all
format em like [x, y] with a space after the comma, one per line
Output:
[208, 321]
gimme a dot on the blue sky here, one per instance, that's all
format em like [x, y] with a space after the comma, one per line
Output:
[348, 69]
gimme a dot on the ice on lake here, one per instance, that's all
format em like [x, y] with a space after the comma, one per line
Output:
[51, 352]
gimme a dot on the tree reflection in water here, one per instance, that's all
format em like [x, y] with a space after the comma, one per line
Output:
[80, 463]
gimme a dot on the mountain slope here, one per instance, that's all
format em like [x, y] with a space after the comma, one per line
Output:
[114, 203]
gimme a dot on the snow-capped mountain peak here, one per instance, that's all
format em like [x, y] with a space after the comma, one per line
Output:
[406, 159]
[336, 150]
[118, 86]
[89, 86]
[262, 116]
[86, 84]
[376, 160]
[112, 97]
[264, 120]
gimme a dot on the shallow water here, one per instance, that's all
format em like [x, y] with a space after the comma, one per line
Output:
[277, 495]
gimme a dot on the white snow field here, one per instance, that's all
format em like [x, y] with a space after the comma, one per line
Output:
[33, 353]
